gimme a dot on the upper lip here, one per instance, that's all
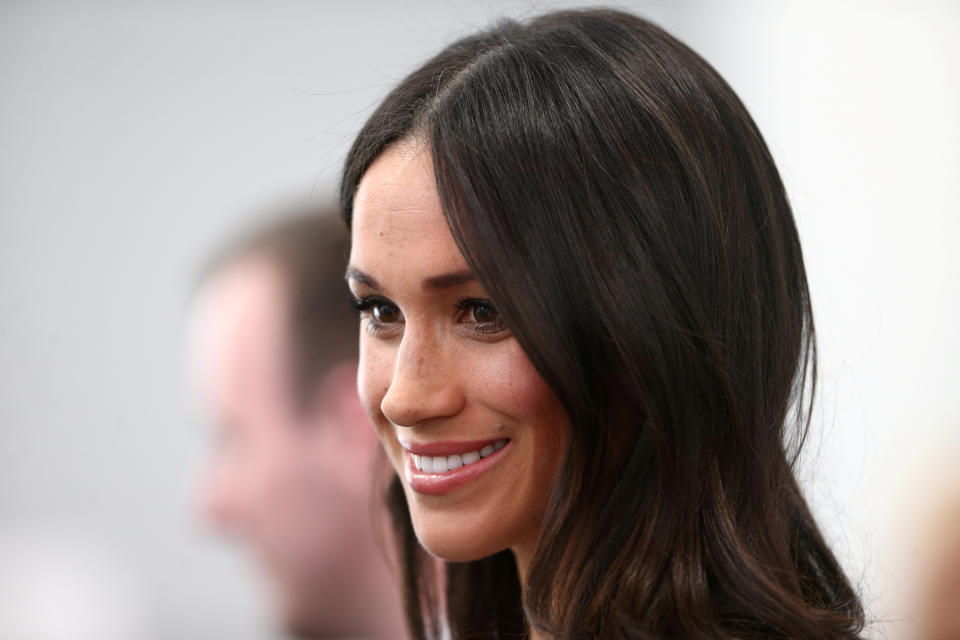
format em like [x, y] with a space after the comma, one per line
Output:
[445, 447]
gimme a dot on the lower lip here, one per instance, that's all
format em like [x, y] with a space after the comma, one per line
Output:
[438, 484]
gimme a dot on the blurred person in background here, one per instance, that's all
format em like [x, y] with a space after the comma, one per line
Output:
[274, 353]
[938, 601]
[926, 543]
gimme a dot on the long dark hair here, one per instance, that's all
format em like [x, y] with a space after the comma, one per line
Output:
[619, 204]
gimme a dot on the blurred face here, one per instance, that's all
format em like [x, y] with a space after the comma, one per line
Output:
[292, 486]
[471, 428]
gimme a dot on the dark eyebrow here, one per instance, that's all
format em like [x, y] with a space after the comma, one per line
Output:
[442, 281]
[448, 280]
[355, 274]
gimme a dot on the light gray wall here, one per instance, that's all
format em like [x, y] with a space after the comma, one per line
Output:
[134, 136]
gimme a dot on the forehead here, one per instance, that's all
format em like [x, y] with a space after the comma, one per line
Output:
[398, 219]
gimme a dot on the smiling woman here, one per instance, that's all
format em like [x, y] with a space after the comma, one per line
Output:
[586, 338]
[475, 432]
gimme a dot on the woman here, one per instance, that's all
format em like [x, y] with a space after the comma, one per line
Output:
[586, 340]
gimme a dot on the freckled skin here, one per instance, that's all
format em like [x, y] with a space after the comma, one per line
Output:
[431, 378]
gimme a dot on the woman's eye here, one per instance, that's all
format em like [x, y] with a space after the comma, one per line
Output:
[378, 314]
[483, 313]
[481, 316]
[385, 313]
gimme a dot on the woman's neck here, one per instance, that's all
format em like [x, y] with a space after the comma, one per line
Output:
[535, 635]
[522, 555]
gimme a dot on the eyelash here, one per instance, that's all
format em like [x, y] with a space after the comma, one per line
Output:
[482, 328]
[364, 305]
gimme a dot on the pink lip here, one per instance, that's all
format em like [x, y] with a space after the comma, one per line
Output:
[437, 484]
[445, 448]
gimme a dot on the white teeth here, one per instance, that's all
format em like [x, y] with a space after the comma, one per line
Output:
[442, 464]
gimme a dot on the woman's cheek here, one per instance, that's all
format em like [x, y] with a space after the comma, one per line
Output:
[374, 375]
[515, 386]
[373, 380]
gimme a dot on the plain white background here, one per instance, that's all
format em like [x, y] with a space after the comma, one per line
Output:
[135, 136]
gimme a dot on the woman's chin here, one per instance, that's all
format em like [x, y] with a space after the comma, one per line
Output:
[454, 542]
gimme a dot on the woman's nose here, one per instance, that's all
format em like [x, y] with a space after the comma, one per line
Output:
[425, 384]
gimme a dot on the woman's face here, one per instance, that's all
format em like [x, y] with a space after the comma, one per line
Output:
[471, 428]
